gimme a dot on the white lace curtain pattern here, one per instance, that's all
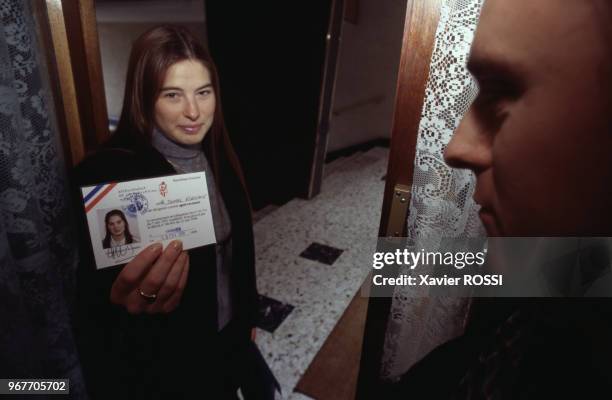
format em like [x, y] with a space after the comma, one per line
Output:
[441, 204]
[37, 254]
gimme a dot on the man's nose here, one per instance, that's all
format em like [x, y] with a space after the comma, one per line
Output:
[469, 148]
[191, 110]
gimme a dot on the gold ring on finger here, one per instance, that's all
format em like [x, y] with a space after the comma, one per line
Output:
[150, 298]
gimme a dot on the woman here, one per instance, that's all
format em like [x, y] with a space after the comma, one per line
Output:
[117, 230]
[170, 323]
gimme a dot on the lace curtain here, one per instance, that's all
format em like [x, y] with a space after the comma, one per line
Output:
[441, 204]
[37, 254]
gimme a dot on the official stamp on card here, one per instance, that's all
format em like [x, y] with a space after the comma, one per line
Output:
[125, 217]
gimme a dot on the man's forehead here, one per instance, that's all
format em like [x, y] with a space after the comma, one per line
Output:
[497, 36]
[530, 34]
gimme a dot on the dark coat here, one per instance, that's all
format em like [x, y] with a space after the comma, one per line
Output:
[176, 355]
[520, 348]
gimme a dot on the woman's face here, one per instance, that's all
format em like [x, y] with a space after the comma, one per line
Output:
[185, 107]
[539, 136]
[116, 226]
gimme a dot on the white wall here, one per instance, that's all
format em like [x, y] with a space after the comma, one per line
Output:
[121, 22]
[367, 74]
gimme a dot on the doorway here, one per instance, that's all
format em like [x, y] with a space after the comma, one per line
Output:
[305, 247]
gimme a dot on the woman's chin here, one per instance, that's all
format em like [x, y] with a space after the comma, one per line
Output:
[189, 139]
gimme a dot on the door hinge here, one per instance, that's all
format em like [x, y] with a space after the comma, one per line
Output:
[396, 225]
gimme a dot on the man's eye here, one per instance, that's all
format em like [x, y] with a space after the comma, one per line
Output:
[491, 109]
[490, 101]
[493, 101]
[171, 95]
[205, 92]
[495, 87]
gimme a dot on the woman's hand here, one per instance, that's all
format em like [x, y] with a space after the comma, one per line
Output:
[151, 272]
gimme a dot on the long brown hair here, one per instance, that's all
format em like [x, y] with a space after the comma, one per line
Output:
[106, 242]
[152, 55]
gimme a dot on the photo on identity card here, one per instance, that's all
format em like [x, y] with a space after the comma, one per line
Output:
[125, 217]
[117, 228]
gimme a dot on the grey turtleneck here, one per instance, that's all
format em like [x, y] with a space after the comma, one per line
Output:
[187, 159]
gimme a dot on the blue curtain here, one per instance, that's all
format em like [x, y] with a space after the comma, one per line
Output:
[37, 253]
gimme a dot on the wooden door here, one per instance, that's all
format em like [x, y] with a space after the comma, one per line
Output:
[69, 36]
[422, 17]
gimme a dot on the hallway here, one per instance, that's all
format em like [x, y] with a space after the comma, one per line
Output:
[307, 262]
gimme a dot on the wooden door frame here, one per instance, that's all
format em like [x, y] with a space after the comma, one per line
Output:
[70, 35]
[326, 98]
[421, 23]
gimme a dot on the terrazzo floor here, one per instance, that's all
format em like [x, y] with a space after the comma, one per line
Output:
[345, 216]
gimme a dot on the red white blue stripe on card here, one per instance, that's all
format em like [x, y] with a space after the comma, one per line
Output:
[96, 194]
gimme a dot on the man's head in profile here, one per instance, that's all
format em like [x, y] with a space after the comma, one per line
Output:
[539, 135]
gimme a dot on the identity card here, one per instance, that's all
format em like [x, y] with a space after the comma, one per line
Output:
[125, 217]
